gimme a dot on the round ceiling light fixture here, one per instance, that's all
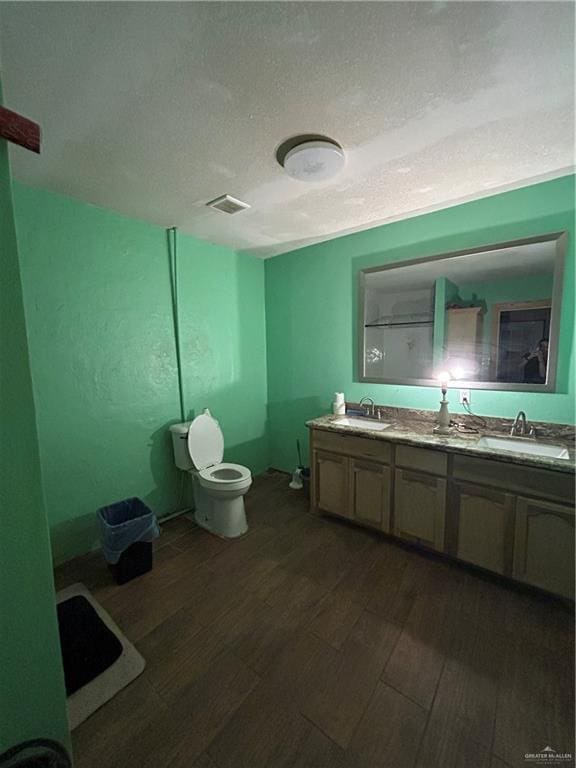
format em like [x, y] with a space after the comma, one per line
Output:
[311, 158]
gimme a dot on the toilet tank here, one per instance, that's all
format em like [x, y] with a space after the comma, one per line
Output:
[179, 434]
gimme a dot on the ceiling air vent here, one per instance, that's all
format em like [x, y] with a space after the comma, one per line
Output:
[227, 204]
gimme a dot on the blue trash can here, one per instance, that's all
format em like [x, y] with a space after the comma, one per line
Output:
[127, 530]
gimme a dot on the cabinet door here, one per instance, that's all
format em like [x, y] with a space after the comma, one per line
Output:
[370, 493]
[544, 546]
[331, 478]
[485, 524]
[419, 508]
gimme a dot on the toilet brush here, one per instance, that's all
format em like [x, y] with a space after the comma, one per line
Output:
[296, 482]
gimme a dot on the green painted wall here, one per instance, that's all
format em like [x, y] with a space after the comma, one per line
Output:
[32, 699]
[98, 305]
[311, 310]
[98, 308]
[445, 291]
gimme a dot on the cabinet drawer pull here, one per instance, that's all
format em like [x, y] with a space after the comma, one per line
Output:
[500, 499]
[325, 457]
[416, 477]
[366, 466]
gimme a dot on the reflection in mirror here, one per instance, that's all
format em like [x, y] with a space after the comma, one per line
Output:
[488, 316]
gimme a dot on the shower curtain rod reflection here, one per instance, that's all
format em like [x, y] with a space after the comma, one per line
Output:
[172, 235]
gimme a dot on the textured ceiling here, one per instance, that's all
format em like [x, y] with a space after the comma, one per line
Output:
[152, 109]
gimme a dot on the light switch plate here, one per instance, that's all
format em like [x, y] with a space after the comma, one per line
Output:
[464, 394]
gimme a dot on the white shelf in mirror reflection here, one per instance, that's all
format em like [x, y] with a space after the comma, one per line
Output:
[518, 445]
[359, 423]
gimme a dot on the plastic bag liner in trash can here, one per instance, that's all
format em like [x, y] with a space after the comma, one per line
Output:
[123, 524]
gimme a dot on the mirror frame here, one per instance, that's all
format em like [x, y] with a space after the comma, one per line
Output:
[560, 238]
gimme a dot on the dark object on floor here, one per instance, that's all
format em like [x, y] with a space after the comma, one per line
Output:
[135, 561]
[88, 646]
[305, 475]
[128, 528]
[37, 753]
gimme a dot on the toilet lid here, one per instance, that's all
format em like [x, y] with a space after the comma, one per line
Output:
[205, 441]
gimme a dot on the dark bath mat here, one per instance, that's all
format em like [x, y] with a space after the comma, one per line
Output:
[88, 646]
[99, 660]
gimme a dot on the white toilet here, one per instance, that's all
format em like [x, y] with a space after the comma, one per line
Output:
[218, 488]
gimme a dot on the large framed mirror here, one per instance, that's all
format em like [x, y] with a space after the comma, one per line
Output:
[489, 316]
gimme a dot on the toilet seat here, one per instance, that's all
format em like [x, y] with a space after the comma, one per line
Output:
[225, 476]
[205, 441]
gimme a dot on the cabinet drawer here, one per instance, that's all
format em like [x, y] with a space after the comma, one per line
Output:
[545, 483]
[352, 445]
[423, 459]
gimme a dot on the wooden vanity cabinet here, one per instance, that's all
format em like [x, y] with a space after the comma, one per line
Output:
[351, 478]
[484, 526]
[509, 518]
[331, 483]
[419, 508]
[420, 496]
[370, 486]
[498, 526]
[544, 546]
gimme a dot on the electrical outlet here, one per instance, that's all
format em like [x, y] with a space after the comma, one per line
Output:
[464, 394]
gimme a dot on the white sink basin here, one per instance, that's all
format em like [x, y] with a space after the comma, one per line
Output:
[349, 421]
[517, 445]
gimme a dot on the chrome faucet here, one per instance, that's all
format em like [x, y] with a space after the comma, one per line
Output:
[519, 427]
[368, 409]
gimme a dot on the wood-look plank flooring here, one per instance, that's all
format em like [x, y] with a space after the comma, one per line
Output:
[312, 643]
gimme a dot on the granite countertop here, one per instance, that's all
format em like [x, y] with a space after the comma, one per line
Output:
[419, 433]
